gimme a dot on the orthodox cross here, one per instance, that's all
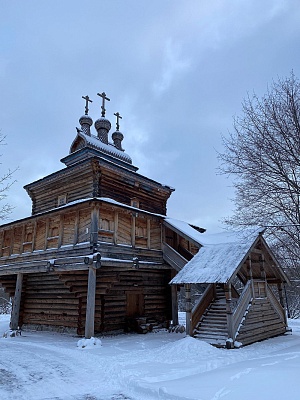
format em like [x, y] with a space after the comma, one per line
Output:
[118, 118]
[103, 95]
[87, 100]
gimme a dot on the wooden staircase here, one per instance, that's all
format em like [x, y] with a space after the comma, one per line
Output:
[212, 327]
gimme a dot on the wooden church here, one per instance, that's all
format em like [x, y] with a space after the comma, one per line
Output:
[99, 253]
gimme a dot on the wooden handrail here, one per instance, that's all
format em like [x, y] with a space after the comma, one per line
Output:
[199, 309]
[276, 305]
[241, 307]
[172, 257]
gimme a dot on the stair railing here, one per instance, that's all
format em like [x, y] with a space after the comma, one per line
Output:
[204, 302]
[276, 305]
[172, 257]
[241, 307]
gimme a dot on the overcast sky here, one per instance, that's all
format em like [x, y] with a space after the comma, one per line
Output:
[177, 71]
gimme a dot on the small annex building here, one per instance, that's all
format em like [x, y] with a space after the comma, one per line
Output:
[99, 254]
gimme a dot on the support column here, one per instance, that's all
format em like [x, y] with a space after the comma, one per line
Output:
[188, 308]
[94, 228]
[231, 334]
[249, 275]
[90, 306]
[174, 304]
[263, 272]
[133, 230]
[15, 314]
[280, 290]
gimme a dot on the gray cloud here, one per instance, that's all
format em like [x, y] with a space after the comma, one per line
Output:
[176, 71]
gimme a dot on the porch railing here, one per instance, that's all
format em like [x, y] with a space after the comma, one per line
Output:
[241, 307]
[173, 258]
[204, 302]
[276, 305]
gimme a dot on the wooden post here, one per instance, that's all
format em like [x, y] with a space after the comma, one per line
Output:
[263, 273]
[280, 289]
[76, 228]
[231, 334]
[116, 219]
[133, 230]
[16, 303]
[174, 304]
[34, 235]
[90, 306]
[46, 233]
[61, 230]
[94, 227]
[279, 286]
[188, 308]
[250, 275]
[148, 233]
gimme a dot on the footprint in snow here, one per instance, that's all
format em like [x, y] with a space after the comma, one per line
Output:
[237, 376]
[272, 363]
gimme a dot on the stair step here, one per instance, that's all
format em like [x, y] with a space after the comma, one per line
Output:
[216, 316]
[211, 331]
[213, 325]
[211, 339]
[212, 335]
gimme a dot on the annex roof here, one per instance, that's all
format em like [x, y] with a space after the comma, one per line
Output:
[219, 258]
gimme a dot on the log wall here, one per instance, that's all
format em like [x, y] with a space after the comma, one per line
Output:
[97, 178]
[261, 322]
[73, 226]
[59, 300]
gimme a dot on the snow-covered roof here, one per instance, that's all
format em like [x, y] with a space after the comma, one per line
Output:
[93, 142]
[219, 258]
[185, 229]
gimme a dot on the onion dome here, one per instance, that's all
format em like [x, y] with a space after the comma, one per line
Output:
[103, 126]
[117, 138]
[86, 122]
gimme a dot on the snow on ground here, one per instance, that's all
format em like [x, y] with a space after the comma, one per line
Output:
[167, 366]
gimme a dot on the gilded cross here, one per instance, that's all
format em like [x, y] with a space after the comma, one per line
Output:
[103, 95]
[118, 118]
[87, 100]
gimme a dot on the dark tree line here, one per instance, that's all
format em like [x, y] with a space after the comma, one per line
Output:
[263, 156]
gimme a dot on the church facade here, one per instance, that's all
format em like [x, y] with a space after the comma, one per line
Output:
[99, 253]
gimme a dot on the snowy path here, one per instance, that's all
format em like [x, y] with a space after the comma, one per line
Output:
[49, 366]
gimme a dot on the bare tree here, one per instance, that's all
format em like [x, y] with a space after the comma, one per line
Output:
[263, 156]
[5, 183]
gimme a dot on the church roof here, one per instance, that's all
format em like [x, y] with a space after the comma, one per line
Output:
[83, 140]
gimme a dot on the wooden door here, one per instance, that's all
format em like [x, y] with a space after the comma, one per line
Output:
[134, 304]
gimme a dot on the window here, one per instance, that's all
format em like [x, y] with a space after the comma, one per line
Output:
[61, 200]
[135, 203]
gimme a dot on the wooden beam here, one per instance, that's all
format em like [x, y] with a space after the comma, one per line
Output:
[22, 239]
[16, 303]
[34, 234]
[133, 230]
[46, 233]
[94, 227]
[116, 220]
[174, 304]
[90, 307]
[188, 308]
[148, 233]
[76, 227]
[61, 230]
[228, 297]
